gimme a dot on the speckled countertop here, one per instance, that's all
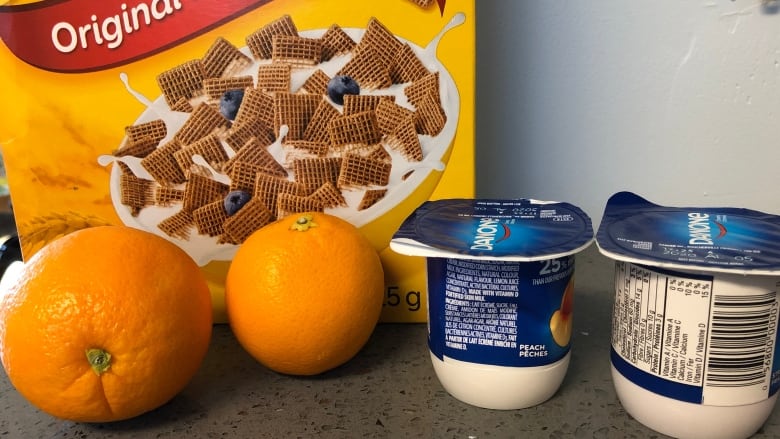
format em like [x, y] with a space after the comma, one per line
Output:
[388, 390]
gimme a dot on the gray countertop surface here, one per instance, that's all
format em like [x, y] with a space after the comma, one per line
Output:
[388, 390]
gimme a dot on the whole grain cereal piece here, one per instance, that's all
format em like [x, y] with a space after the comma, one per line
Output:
[124, 168]
[200, 170]
[358, 171]
[256, 153]
[406, 66]
[216, 87]
[377, 152]
[336, 42]
[422, 3]
[183, 105]
[162, 165]
[288, 204]
[429, 117]
[316, 83]
[274, 77]
[370, 197]
[209, 147]
[268, 187]
[404, 139]
[367, 69]
[184, 81]
[140, 147]
[359, 128]
[299, 149]
[135, 193]
[317, 127]
[359, 103]
[247, 220]
[177, 225]
[420, 88]
[256, 105]
[381, 40]
[154, 129]
[203, 121]
[200, 190]
[240, 133]
[223, 59]
[312, 173]
[389, 115]
[242, 176]
[167, 196]
[296, 51]
[328, 195]
[209, 218]
[308, 147]
[295, 111]
[260, 42]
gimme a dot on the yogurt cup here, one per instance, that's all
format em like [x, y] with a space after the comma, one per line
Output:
[695, 316]
[500, 294]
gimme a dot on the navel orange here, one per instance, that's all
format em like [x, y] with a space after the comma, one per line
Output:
[104, 324]
[304, 294]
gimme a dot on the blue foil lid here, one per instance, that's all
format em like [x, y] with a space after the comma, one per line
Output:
[706, 239]
[520, 230]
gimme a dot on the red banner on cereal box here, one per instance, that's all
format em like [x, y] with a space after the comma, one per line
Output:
[85, 35]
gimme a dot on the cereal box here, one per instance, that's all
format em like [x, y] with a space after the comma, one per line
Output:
[203, 121]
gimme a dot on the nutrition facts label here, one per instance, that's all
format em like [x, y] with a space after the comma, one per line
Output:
[474, 311]
[717, 344]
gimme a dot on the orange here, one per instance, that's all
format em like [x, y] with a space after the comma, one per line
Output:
[104, 324]
[304, 294]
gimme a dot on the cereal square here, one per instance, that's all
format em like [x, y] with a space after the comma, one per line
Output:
[162, 165]
[295, 111]
[209, 218]
[255, 153]
[316, 83]
[358, 171]
[260, 42]
[256, 105]
[223, 59]
[177, 225]
[200, 191]
[296, 51]
[154, 129]
[312, 173]
[203, 121]
[359, 128]
[184, 81]
[216, 87]
[248, 219]
[274, 77]
[336, 42]
[288, 204]
[240, 133]
[317, 128]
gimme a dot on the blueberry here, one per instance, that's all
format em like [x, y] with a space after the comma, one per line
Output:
[229, 103]
[235, 200]
[342, 85]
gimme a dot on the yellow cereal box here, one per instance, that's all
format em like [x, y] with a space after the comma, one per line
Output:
[203, 121]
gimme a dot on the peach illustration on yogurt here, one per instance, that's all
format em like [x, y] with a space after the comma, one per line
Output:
[561, 320]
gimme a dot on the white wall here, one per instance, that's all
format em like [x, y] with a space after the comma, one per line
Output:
[676, 100]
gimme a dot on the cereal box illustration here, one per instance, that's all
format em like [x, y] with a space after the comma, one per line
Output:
[204, 121]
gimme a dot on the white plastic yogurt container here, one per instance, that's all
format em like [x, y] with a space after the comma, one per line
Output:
[500, 294]
[695, 316]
